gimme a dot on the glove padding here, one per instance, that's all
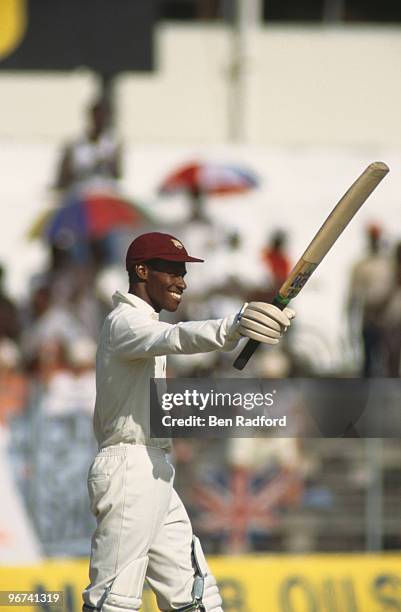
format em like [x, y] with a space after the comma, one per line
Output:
[264, 322]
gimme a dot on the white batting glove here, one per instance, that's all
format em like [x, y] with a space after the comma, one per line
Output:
[264, 322]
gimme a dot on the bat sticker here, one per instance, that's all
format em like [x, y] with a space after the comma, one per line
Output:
[299, 281]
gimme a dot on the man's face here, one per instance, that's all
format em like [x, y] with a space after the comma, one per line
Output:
[165, 284]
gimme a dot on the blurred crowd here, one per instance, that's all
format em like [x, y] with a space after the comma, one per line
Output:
[48, 342]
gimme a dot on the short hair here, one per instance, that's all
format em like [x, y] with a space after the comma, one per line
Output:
[133, 277]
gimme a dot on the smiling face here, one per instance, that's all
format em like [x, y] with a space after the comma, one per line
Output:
[163, 283]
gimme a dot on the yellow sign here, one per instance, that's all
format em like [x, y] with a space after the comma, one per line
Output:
[266, 583]
[13, 21]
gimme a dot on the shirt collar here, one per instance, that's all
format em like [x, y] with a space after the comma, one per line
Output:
[119, 297]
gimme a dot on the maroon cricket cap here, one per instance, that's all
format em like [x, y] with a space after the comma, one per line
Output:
[156, 245]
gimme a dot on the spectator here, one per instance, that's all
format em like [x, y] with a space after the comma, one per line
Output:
[55, 377]
[236, 277]
[96, 155]
[392, 320]
[371, 282]
[66, 371]
[276, 259]
[84, 303]
[48, 322]
[81, 358]
[92, 163]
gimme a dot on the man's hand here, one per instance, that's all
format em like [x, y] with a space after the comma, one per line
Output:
[264, 322]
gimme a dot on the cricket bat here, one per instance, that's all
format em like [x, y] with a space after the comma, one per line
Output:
[331, 229]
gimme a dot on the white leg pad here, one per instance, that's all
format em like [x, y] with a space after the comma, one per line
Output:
[126, 590]
[211, 599]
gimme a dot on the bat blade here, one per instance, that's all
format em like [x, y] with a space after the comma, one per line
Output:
[322, 242]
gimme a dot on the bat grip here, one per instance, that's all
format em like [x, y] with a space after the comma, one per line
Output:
[251, 346]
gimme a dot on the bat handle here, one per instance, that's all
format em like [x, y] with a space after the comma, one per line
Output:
[251, 346]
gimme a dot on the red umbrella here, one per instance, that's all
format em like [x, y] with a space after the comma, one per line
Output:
[209, 178]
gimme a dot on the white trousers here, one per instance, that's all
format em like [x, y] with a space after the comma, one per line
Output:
[143, 530]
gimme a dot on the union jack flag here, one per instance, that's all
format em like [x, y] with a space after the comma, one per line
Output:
[239, 503]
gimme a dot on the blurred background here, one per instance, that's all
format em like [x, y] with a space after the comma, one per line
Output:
[235, 125]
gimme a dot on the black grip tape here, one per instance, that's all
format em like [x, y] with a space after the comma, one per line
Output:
[246, 353]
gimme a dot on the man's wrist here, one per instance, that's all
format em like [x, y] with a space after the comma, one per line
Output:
[240, 313]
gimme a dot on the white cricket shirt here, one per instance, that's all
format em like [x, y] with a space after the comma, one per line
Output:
[132, 348]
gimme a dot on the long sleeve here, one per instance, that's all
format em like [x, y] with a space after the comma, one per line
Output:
[139, 336]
